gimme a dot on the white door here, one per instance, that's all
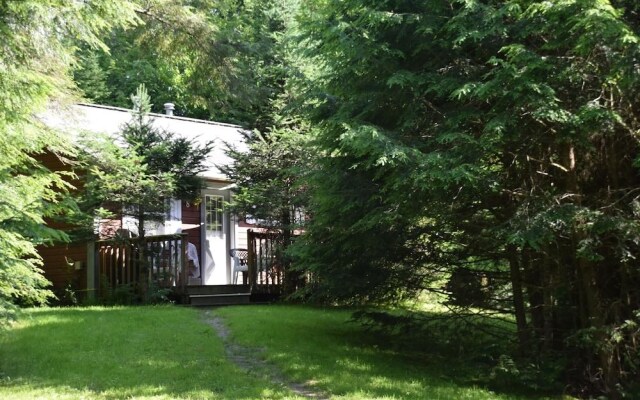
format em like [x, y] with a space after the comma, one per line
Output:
[216, 265]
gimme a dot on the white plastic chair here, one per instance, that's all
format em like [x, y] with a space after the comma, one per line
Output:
[240, 262]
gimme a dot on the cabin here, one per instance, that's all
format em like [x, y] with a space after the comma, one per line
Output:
[201, 253]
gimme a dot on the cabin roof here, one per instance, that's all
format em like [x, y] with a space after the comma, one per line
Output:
[109, 120]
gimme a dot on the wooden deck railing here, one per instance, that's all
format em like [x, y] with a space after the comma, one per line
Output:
[265, 261]
[155, 260]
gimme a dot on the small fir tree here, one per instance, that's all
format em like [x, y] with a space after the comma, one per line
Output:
[136, 175]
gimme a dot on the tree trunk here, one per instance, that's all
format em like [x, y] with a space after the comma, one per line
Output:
[547, 299]
[534, 290]
[593, 308]
[595, 316]
[518, 299]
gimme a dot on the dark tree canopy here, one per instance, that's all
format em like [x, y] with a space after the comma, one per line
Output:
[490, 136]
[214, 59]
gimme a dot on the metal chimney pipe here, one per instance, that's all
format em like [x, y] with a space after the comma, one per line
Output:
[168, 108]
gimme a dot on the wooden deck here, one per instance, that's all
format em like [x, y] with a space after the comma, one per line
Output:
[159, 262]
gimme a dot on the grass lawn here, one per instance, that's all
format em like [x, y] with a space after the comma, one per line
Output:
[322, 347]
[171, 353]
[117, 353]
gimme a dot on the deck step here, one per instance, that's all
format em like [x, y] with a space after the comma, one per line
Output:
[217, 289]
[225, 299]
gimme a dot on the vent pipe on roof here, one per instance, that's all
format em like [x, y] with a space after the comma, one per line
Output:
[168, 108]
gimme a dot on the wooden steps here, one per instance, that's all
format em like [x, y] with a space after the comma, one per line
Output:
[217, 289]
[202, 300]
[225, 295]
[217, 295]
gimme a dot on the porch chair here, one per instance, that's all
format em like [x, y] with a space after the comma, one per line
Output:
[240, 263]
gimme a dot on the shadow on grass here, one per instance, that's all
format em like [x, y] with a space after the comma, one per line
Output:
[114, 353]
[473, 350]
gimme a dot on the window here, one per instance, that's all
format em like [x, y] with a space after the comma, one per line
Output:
[213, 212]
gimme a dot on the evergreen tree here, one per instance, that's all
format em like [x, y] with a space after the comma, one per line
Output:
[498, 137]
[270, 176]
[138, 172]
[213, 59]
[34, 63]
[270, 188]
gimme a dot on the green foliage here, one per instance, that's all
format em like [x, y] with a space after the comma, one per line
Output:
[90, 77]
[459, 133]
[619, 341]
[158, 295]
[214, 59]
[34, 61]
[110, 78]
[270, 188]
[136, 174]
[130, 294]
[445, 135]
[268, 178]
[466, 289]
[119, 180]
[271, 176]
[165, 152]
[526, 375]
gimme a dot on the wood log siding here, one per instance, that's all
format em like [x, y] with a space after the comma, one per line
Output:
[56, 258]
[158, 260]
[58, 269]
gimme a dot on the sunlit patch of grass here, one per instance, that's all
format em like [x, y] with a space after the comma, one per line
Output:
[428, 301]
[121, 352]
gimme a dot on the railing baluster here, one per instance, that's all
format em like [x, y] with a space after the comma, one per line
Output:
[111, 268]
[173, 263]
[183, 263]
[251, 258]
[118, 264]
[127, 263]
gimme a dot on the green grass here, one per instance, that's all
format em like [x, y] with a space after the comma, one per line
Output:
[117, 353]
[171, 353]
[321, 346]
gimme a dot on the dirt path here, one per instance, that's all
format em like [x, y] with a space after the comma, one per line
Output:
[248, 359]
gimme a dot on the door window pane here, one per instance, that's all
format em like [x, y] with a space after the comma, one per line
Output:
[213, 212]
